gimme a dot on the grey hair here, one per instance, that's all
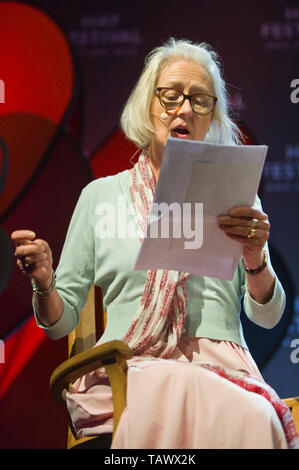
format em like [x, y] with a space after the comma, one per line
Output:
[135, 119]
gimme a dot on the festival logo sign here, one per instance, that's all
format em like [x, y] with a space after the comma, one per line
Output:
[103, 35]
[282, 33]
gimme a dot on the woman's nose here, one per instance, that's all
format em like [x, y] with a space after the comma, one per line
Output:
[185, 108]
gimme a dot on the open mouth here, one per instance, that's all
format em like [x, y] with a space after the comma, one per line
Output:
[180, 132]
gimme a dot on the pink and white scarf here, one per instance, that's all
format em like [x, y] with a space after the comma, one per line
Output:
[159, 321]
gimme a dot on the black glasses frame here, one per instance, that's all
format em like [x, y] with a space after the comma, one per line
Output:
[186, 97]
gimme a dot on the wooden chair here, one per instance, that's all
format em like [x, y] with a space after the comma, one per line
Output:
[84, 358]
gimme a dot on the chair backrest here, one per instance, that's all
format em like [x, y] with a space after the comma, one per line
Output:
[85, 335]
[91, 325]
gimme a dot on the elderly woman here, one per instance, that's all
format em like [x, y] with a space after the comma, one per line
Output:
[174, 322]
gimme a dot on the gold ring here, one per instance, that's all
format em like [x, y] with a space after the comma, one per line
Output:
[251, 233]
[24, 264]
[252, 230]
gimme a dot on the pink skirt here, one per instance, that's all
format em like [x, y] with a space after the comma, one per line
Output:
[174, 404]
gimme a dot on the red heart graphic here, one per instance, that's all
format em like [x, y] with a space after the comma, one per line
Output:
[38, 76]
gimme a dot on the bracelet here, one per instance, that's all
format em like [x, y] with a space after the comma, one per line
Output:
[257, 270]
[44, 292]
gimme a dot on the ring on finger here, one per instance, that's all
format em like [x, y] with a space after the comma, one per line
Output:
[252, 229]
[25, 266]
[251, 233]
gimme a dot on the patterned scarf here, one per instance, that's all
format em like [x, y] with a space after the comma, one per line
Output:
[160, 317]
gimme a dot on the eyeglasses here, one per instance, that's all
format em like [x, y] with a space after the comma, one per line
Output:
[171, 99]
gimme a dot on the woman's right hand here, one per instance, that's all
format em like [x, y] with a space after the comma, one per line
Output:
[34, 257]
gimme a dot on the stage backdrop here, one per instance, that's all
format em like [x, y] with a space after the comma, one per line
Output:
[66, 70]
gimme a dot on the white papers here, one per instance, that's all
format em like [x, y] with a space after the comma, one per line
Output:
[198, 182]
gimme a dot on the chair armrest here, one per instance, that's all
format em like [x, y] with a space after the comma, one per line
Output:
[293, 404]
[85, 362]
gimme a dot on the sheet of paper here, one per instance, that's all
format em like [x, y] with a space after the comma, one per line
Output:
[199, 181]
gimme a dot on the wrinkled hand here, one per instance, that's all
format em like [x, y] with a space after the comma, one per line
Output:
[34, 257]
[237, 224]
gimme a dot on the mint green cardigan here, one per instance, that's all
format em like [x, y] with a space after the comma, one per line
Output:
[213, 305]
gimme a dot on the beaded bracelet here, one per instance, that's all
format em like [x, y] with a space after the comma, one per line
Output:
[44, 292]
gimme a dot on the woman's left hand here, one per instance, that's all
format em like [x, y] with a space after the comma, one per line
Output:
[250, 227]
